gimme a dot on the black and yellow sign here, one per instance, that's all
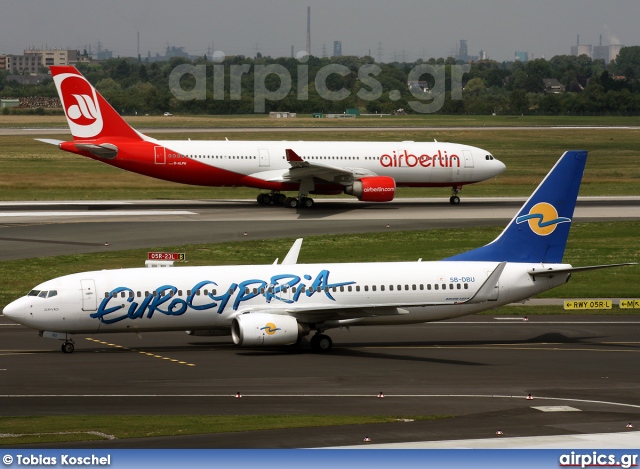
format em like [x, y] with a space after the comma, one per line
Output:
[629, 304]
[588, 304]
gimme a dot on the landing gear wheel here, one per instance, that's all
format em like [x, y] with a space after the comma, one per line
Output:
[321, 343]
[264, 199]
[67, 347]
[307, 202]
[455, 200]
[279, 199]
[291, 202]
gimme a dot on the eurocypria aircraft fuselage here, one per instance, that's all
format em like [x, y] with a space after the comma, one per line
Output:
[370, 171]
[261, 305]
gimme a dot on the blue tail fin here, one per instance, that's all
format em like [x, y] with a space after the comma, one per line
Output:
[539, 232]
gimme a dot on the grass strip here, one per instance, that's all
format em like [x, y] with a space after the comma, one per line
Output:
[46, 429]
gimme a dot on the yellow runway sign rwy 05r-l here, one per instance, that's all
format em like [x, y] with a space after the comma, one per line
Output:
[588, 304]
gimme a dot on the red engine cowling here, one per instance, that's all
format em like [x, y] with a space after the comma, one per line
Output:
[373, 189]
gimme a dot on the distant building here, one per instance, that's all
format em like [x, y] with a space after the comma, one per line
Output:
[104, 54]
[522, 56]
[337, 48]
[50, 57]
[606, 53]
[551, 85]
[21, 64]
[581, 49]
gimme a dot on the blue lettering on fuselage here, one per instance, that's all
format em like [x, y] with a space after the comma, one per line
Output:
[164, 301]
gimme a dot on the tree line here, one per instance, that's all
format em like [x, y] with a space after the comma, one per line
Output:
[486, 87]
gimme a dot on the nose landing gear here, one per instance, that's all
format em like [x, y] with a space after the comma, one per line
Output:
[67, 346]
[454, 199]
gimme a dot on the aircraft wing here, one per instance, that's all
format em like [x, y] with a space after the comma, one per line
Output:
[303, 169]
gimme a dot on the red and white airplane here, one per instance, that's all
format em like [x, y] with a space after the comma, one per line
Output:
[371, 171]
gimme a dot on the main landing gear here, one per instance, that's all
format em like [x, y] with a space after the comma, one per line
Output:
[67, 346]
[277, 198]
[321, 343]
[454, 199]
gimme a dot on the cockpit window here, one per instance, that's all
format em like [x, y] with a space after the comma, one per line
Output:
[52, 293]
[488, 157]
[34, 293]
[43, 294]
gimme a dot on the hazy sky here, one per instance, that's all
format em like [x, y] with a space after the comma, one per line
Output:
[417, 27]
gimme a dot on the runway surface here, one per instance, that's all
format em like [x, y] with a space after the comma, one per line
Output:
[55, 228]
[479, 370]
[580, 370]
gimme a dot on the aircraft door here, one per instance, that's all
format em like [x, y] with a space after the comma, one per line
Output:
[263, 157]
[161, 155]
[89, 295]
[468, 158]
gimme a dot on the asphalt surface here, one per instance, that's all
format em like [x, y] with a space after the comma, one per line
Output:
[477, 370]
[48, 229]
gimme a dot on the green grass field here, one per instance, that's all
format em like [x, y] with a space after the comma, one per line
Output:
[38, 430]
[306, 120]
[36, 171]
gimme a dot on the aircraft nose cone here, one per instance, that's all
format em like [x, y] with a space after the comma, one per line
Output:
[14, 310]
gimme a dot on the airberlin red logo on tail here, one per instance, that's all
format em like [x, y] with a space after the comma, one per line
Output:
[80, 103]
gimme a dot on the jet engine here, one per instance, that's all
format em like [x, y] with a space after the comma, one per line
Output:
[255, 329]
[373, 189]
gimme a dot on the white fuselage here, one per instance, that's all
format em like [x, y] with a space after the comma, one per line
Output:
[319, 295]
[408, 163]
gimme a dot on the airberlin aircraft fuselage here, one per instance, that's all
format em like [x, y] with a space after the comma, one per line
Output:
[370, 171]
[260, 164]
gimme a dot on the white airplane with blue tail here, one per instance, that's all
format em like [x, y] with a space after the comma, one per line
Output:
[278, 304]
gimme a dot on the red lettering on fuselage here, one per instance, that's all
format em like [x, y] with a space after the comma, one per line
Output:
[403, 158]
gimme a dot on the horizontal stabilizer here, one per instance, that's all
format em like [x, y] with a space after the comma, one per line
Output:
[50, 141]
[106, 150]
[552, 272]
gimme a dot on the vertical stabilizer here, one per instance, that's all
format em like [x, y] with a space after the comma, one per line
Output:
[89, 115]
[539, 232]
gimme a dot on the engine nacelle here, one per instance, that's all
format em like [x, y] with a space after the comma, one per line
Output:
[255, 329]
[373, 189]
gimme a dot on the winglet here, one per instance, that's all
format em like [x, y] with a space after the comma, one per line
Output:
[292, 255]
[486, 290]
